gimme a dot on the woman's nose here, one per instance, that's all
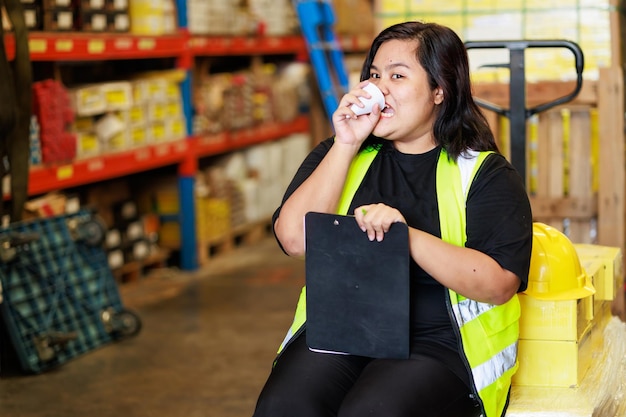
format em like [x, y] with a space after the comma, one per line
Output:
[381, 86]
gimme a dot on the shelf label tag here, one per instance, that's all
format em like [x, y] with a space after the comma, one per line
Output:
[65, 172]
[96, 46]
[38, 45]
[146, 44]
[96, 164]
[64, 45]
[142, 154]
[123, 44]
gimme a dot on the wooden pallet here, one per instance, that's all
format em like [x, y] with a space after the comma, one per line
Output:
[246, 234]
[575, 156]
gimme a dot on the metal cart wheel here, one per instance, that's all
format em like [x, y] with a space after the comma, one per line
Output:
[90, 231]
[121, 324]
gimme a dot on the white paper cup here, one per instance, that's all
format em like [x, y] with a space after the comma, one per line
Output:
[377, 98]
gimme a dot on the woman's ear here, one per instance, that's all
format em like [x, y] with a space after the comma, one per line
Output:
[438, 95]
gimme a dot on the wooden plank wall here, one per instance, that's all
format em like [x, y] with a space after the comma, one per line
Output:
[575, 156]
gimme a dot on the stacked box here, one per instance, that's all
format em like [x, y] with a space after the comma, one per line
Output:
[555, 346]
[58, 15]
[586, 23]
[158, 108]
[102, 15]
[277, 18]
[32, 15]
[213, 219]
[264, 182]
[87, 142]
[611, 284]
[118, 17]
[88, 100]
[212, 215]
[354, 18]
[117, 116]
[295, 148]
[224, 101]
[238, 103]
[559, 339]
[611, 259]
[90, 16]
[103, 110]
[211, 17]
[209, 104]
[152, 17]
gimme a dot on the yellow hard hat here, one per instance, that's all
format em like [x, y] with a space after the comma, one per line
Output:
[555, 270]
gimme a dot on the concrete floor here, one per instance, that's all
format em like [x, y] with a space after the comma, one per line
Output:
[205, 349]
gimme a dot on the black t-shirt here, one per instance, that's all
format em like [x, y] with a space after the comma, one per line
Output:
[499, 224]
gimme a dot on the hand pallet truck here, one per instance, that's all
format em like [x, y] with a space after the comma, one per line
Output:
[316, 21]
[518, 113]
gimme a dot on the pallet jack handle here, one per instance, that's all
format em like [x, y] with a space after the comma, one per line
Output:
[517, 111]
[317, 19]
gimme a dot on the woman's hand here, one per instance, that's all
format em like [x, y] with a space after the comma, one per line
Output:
[349, 128]
[376, 219]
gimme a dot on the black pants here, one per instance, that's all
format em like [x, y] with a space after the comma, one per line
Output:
[310, 384]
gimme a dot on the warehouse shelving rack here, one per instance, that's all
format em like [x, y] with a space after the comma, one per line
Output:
[185, 153]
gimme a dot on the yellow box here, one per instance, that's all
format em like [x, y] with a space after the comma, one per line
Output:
[138, 136]
[157, 132]
[84, 124]
[166, 200]
[176, 129]
[118, 95]
[213, 218]
[147, 89]
[554, 363]
[118, 142]
[173, 109]
[564, 320]
[172, 91]
[611, 258]
[87, 144]
[157, 111]
[169, 235]
[603, 315]
[88, 100]
[137, 115]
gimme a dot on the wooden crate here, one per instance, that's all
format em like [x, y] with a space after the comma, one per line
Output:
[574, 156]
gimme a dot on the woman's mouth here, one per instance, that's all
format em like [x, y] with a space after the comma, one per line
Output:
[387, 112]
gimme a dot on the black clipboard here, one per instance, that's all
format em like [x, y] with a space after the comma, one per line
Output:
[357, 290]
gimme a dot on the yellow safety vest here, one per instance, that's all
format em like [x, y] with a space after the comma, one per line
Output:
[489, 333]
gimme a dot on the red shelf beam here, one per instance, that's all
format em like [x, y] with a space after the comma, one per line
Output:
[228, 141]
[71, 46]
[75, 46]
[108, 166]
[80, 172]
[238, 45]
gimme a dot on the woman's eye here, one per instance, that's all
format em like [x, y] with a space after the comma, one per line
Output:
[374, 76]
[396, 76]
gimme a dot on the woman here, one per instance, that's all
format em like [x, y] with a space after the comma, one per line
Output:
[464, 277]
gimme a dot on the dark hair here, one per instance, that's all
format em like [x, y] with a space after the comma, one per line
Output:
[459, 124]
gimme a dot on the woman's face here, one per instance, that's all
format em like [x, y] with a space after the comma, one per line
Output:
[410, 104]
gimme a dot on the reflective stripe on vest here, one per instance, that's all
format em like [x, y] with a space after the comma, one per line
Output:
[493, 360]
